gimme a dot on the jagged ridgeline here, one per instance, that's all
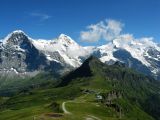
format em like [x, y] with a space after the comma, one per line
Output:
[22, 55]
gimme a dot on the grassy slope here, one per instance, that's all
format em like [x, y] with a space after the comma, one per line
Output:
[13, 85]
[37, 103]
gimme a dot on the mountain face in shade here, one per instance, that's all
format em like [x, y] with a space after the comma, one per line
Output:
[22, 55]
[92, 66]
[19, 56]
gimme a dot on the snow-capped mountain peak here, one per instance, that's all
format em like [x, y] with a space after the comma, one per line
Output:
[64, 36]
[68, 50]
[18, 32]
[66, 40]
[15, 37]
[141, 54]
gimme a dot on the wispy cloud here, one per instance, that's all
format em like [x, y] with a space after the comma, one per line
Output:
[41, 16]
[107, 30]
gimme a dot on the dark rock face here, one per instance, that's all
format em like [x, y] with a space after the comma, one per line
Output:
[109, 97]
[112, 95]
[154, 53]
[19, 55]
[98, 54]
[154, 59]
[131, 62]
[17, 38]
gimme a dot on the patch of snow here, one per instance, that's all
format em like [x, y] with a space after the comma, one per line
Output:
[151, 57]
[108, 51]
[155, 71]
[51, 59]
[14, 70]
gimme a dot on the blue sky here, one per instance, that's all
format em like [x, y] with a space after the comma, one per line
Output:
[49, 18]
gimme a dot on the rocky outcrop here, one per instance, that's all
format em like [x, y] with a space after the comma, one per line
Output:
[108, 100]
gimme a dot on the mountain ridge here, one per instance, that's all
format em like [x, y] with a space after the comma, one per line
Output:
[68, 53]
[116, 83]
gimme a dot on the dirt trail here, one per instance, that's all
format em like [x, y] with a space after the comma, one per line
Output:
[64, 108]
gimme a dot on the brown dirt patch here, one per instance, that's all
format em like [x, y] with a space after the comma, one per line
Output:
[55, 115]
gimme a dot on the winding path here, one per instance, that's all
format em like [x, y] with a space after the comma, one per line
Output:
[64, 108]
[89, 117]
[94, 118]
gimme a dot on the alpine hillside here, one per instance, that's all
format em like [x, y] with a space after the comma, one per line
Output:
[93, 91]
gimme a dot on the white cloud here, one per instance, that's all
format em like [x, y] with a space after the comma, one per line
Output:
[149, 41]
[123, 40]
[110, 30]
[107, 30]
[41, 16]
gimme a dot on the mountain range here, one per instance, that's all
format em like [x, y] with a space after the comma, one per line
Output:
[21, 55]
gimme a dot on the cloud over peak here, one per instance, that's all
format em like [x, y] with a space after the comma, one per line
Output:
[107, 30]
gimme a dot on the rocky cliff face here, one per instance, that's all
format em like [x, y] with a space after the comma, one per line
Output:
[18, 55]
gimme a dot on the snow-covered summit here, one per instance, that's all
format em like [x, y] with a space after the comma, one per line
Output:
[16, 32]
[69, 50]
[65, 37]
[15, 37]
